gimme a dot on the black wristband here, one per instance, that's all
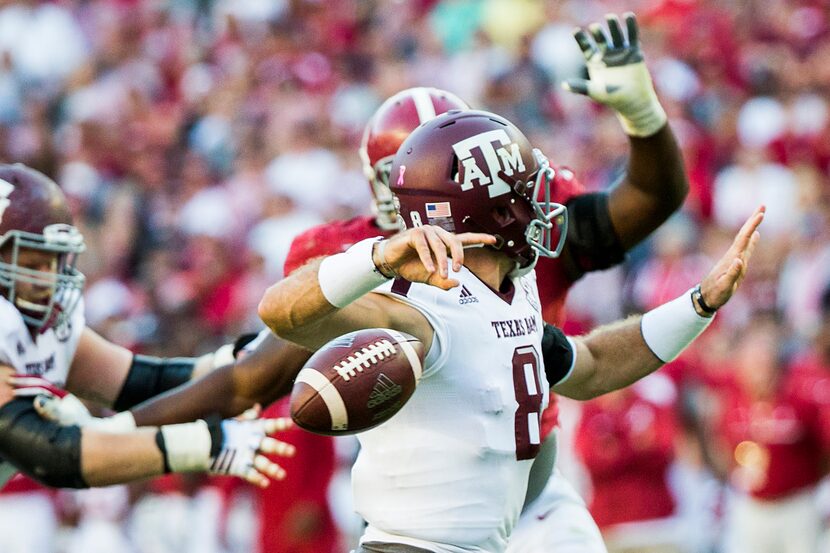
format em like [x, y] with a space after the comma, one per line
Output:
[214, 423]
[163, 448]
[697, 296]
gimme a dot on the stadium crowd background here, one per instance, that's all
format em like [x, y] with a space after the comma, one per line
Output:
[195, 138]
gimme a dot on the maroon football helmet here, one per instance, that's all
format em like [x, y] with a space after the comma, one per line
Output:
[398, 116]
[34, 216]
[474, 171]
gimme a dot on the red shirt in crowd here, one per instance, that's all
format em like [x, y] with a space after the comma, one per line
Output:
[626, 443]
[776, 444]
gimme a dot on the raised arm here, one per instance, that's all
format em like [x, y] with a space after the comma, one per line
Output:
[655, 184]
[617, 355]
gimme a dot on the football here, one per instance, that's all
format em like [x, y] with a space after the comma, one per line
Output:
[356, 381]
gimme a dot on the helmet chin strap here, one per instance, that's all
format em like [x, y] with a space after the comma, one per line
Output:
[519, 271]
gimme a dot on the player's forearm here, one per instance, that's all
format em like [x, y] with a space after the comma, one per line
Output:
[655, 187]
[262, 376]
[108, 459]
[214, 393]
[616, 356]
[293, 304]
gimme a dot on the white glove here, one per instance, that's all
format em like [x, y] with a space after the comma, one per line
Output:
[618, 76]
[244, 442]
[242, 446]
[66, 409]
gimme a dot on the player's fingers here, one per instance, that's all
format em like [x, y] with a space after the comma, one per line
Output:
[614, 26]
[443, 283]
[45, 407]
[741, 241]
[251, 414]
[419, 242]
[753, 242]
[600, 38]
[577, 86]
[734, 273]
[439, 250]
[277, 425]
[472, 239]
[453, 246]
[633, 30]
[589, 49]
[267, 467]
[257, 479]
[272, 446]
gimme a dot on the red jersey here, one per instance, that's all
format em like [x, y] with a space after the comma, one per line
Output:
[626, 443]
[295, 516]
[777, 444]
[551, 278]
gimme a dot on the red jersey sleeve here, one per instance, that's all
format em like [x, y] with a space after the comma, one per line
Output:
[551, 277]
[328, 239]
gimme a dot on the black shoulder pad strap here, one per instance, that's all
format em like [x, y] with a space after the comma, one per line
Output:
[592, 240]
[557, 355]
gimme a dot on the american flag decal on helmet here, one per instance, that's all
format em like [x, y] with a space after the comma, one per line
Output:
[439, 209]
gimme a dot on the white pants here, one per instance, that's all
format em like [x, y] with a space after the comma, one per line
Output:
[790, 525]
[27, 523]
[557, 521]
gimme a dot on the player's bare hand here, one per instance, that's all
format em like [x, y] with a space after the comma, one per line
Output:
[245, 444]
[725, 277]
[422, 254]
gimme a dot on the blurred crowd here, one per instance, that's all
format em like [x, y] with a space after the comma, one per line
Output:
[196, 138]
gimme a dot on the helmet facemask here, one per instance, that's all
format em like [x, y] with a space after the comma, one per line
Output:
[64, 282]
[383, 201]
[547, 221]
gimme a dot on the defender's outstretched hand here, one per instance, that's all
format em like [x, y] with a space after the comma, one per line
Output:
[618, 76]
[244, 446]
[421, 254]
[718, 286]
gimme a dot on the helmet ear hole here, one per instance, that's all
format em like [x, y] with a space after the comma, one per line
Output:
[502, 216]
[454, 168]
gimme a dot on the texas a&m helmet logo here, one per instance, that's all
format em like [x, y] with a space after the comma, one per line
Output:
[506, 157]
[6, 188]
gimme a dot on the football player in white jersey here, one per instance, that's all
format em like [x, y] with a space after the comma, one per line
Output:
[45, 347]
[448, 473]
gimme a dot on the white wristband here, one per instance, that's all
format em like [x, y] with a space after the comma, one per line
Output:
[119, 423]
[668, 329]
[188, 446]
[347, 276]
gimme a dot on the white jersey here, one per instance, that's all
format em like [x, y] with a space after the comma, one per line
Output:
[448, 473]
[49, 355]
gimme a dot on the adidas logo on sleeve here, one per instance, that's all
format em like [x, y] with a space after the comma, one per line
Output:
[466, 296]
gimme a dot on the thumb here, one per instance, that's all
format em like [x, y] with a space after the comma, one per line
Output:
[45, 407]
[577, 86]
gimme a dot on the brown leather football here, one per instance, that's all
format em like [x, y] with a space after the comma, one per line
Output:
[356, 381]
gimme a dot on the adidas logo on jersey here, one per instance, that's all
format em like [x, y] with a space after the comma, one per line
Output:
[466, 296]
[385, 389]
